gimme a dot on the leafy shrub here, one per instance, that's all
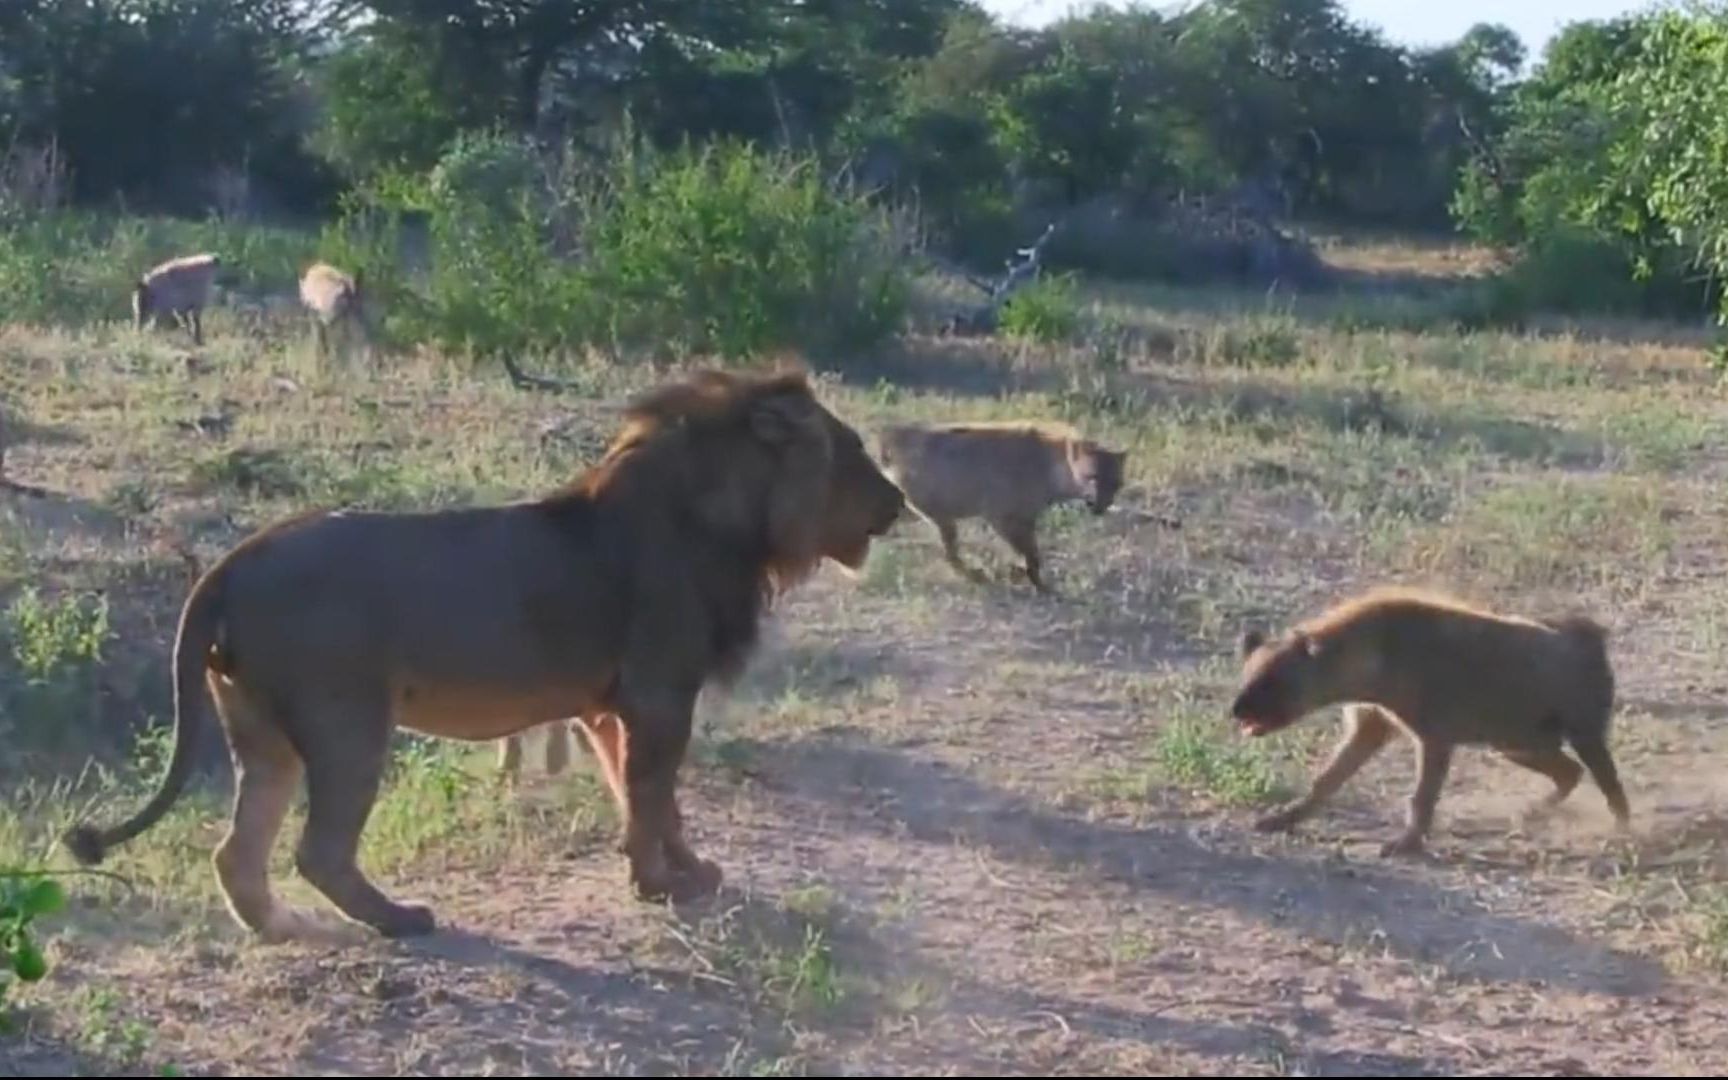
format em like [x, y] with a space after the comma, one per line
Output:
[724, 250]
[1575, 271]
[1046, 311]
[1608, 175]
[731, 250]
[53, 649]
[496, 285]
[24, 898]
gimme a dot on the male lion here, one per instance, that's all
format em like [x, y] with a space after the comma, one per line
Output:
[611, 600]
[1006, 473]
[1444, 674]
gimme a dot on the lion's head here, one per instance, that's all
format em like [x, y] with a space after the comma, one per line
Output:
[765, 467]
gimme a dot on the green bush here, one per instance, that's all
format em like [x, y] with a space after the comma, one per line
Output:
[25, 897]
[497, 284]
[48, 667]
[1574, 271]
[735, 251]
[724, 250]
[1046, 311]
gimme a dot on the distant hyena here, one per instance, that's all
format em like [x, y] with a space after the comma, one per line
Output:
[1006, 473]
[179, 288]
[556, 750]
[333, 297]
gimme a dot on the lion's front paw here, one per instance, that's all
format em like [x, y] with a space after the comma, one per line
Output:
[701, 879]
[698, 882]
[409, 920]
[1406, 844]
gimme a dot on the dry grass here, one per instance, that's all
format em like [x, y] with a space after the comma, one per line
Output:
[969, 829]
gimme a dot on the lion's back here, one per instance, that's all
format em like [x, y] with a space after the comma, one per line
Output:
[437, 588]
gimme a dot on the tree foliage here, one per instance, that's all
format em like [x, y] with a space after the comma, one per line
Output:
[1609, 163]
[1610, 147]
[1286, 96]
[153, 97]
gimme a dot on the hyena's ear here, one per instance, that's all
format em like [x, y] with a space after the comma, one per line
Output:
[1252, 638]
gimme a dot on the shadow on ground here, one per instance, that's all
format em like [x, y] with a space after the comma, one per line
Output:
[704, 1024]
[881, 790]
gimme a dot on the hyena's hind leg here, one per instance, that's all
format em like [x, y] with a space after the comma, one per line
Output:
[1592, 749]
[949, 531]
[555, 751]
[1552, 762]
[1021, 534]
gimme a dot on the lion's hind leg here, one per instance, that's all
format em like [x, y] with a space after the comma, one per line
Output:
[267, 771]
[342, 781]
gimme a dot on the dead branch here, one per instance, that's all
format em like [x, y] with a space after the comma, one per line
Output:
[982, 319]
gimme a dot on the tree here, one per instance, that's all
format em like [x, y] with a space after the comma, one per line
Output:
[115, 82]
[1491, 54]
[393, 99]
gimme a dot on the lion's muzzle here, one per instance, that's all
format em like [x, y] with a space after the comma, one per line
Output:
[893, 509]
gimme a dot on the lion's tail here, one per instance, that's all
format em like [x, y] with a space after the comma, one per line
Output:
[199, 635]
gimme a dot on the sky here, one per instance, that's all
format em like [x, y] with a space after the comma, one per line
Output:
[1406, 22]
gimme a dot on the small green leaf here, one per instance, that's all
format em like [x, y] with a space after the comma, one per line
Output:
[28, 962]
[46, 897]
